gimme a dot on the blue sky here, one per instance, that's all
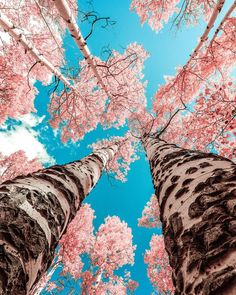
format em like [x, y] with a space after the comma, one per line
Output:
[167, 49]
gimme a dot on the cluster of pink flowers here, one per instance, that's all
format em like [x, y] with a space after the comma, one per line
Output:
[159, 270]
[151, 214]
[124, 156]
[80, 111]
[110, 249]
[19, 70]
[158, 12]
[17, 164]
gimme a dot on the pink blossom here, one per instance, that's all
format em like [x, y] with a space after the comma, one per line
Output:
[151, 214]
[159, 270]
[17, 164]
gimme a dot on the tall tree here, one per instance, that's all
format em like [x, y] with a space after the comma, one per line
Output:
[35, 211]
[196, 193]
[203, 84]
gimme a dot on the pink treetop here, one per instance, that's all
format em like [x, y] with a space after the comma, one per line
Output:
[158, 12]
[17, 164]
[79, 239]
[206, 63]
[13, 87]
[115, 286]
[78, 112]
[125, 155]
[123, 78]
[212, 122]
[40, 22]
[159, 270]
[151, 214]
[205, 92]
[113, 246]
[109, 250]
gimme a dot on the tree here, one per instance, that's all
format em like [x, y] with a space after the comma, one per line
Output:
[39, 207]
[111, 92]
[159, 12]
[210, 123]
[196, 192]
[18, 69]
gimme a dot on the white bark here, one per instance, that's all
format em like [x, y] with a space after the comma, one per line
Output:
[197, 197]
[205, 34]
[67, 15]
[19, 36]
[34, 213]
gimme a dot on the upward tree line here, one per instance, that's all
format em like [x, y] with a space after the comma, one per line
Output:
[194, 110]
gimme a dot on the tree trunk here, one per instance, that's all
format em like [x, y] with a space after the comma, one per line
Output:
[67, 15]
[197, 197]
[34, 213]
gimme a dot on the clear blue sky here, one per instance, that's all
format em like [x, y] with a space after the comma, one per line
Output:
[167, 50]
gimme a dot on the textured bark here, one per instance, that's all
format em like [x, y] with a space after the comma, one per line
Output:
[197, 197]
[66, 13]
[34, 213]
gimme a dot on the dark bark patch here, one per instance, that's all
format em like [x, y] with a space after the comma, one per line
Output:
[175, 178]
[204, 165]
[187, 181]
[195, 210]
[173, 155]
[181, 192]
[200, 187]
[170, 164]
[176, 224]
[170, 189]
[180, 281]
[214, 236]
[191, 170]
[188, 288]
[219, 282]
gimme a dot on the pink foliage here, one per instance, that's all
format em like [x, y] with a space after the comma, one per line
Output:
[110, 249]
[158, 12]
[125, 155]
[122, 76]
[213, 122]
[40, 22]
[151, 214]
[79, 239]
[113, 246]
[13, 87]
[132, 285]
[206, 93]
[159, 270]
[113, 288]
[17, 164]
[80, 111]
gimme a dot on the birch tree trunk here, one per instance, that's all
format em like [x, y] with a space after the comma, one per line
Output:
[34, 213]
[197, 197]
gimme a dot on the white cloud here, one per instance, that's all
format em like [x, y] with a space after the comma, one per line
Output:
[31, 120]
[24, 138]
